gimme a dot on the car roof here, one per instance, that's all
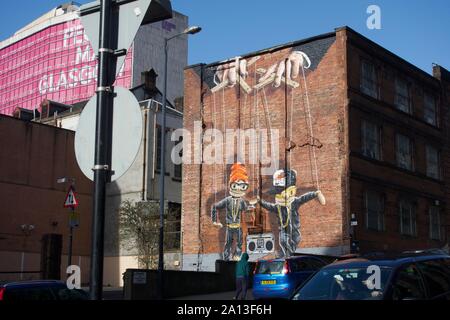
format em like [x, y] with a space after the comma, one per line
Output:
[383, 261]
[290, 258]
[33, 283]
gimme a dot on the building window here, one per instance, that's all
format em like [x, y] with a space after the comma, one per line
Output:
[374, 211]
[429, 110]
[172, 232]
[158, 148]
[435, 223]
[371, 142]
[402, 96]
[407, 218]
[369, 83]
[432, 159]
[404, 152]
[178, 167]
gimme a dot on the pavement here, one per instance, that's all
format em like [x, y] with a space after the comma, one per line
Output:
[110, 293]
[113, 293]
[215, 296]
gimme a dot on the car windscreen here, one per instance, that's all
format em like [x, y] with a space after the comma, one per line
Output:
[362, 283]
[270, 267]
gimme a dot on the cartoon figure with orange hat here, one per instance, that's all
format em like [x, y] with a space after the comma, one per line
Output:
[234, 206]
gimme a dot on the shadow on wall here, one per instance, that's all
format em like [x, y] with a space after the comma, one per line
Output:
[112, 272]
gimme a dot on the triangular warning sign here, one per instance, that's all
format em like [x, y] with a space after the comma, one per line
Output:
[71, 200]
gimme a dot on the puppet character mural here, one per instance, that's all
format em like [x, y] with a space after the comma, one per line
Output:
[233, 205]
[286, 206]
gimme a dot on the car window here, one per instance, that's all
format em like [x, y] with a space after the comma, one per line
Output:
[408, 284]
[436, 277]
[343, 284]
[29, 294]
[294, 265]
[67, 294]
[301, 264]
[270, 267]
[316, 263]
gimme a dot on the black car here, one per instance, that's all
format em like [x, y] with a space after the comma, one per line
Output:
[405, 277]
[39, 290]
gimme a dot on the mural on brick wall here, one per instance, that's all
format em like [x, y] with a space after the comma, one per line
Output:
[233, 206]
[256, 83]
[286, 207]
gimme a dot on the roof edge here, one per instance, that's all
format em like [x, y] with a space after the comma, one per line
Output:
[268, 50]
[387, 51]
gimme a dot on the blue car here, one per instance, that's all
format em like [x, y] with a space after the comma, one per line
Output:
[408, 276]
[279, 278]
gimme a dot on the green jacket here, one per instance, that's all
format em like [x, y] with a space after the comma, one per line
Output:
[243, 267]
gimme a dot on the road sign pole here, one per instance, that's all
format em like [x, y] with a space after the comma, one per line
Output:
[102, 148]
[69, 259]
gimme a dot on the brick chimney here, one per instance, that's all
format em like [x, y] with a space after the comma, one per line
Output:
[148, 78]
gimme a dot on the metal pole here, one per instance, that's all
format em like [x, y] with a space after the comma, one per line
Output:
[69, 259]
[162, 175]
[102, 147]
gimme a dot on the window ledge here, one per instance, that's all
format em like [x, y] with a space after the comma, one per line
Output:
[394, 167]
[393, 107]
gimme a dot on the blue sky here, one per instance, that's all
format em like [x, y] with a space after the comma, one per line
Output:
[416, 30]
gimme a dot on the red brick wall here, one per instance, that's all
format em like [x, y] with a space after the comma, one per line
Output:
[321, 226]
[384, 176]
[33, 157]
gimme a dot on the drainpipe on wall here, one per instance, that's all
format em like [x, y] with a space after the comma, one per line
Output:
[144, 161]
[200, 240]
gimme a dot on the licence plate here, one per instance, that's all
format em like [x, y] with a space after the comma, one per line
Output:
[268, 282]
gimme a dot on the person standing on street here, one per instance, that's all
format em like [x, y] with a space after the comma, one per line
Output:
[242, 277]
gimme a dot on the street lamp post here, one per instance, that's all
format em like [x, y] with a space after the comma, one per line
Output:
[190, 30]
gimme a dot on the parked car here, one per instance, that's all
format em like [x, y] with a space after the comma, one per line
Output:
[278, 278]
[39, 290]
[411, 276]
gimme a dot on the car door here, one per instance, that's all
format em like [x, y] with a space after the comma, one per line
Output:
[32, 293]
[436, 275]
[408, 284]
[305, 266]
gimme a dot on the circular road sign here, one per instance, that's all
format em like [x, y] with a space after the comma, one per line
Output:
[126, 137]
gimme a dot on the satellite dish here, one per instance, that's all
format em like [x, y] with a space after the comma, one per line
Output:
[126, 137]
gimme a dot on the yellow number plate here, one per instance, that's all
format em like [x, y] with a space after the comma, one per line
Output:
[269, 282]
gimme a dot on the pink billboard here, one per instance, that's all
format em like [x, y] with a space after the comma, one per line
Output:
[56, 63]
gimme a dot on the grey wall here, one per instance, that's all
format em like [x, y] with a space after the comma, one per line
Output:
[149, 53]
[130, 185]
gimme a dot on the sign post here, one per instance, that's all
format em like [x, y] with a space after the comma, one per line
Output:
[71, 202]
[116, 23]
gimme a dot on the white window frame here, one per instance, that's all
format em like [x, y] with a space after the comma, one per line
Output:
[412, 218]
[435, 211]
[379, 212]
[366, 144]
[437, 174]
[402, 96]
[400, 157]
[369, 84]
[433, 108]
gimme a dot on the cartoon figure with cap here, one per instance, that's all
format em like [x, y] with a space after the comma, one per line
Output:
[234, 206]
[286, 206]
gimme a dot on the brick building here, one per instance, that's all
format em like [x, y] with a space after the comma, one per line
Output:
[47, 74]
[352, 119]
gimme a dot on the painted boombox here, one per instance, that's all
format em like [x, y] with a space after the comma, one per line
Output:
[260, 243]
